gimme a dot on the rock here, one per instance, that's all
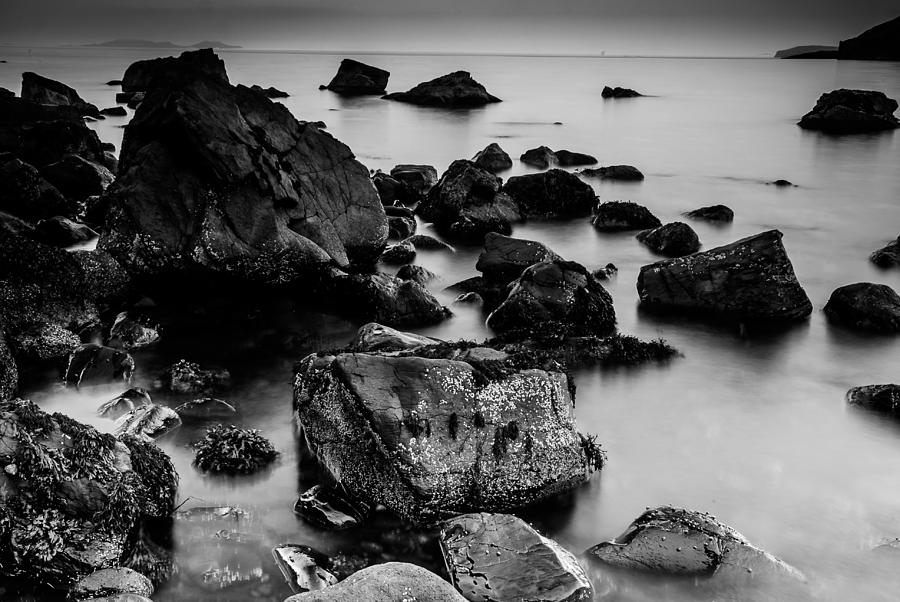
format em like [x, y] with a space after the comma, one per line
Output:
[377, 337]
[504, 258]
[77, 178]
[618, 92]
[627, 173]
[386, 582]
[135, 99]
[127, 333]
[399, 254]
[878, 43]
[355, 78]
[552, 194]
[328, 509]
[25, 193]
[93, 364]
[606, 272]
[616, 216]
[501, 557]
[395, 211]
[851, 111]
[9, 373]
[467, 203]
[454, 90]
[269, 92]
[888, 255]
[865, 306]
[416, 273]
[206, 408]
[188, 378]
[388, 300]
[751, 278]
[541, 157]
[147, 422]
[419, 177]
[110, 582]
[114, 112]
[219, 180]
[567, 158]
[423, 242]
[142, 76]
[429, 437]
[673, 541]
[123, 404]
[114, 82]
[62, 232]
[492, 158]
[881, 398]
[45, 91]
[390, 190]
[713, 213]
[124, 97]
[4, 93]
[233, 450]
[43, 342]
[303, 567]
[807, 51]
[783, 184]
[472, 298]
[675, 239]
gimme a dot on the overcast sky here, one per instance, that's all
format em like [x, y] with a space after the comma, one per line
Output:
[666, 27]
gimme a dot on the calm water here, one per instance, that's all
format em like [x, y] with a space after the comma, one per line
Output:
[754, 430]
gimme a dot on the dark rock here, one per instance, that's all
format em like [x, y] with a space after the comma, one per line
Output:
[616, 216]
[783, 184]
[627, 173]
[43, 342]
[423, 242]
[303, 567]
[114, 82]
[395, 211]
[377, 337]
[269, 92]
[571, 159]
[188, 378]
[618, 92]
[143, 76]
[675, 239]
[9, 373]
[59, 231]
[851, 111]
[454, 90]
[353, 78]
[233, 450]
[114, 112]
[713, 213]
[881, 398]
[126, 402]
[401, 227]
[135, 99]
[390, 189]
[382, 583]
[93, 364]
[492, 158]
[4, 93]
[78, 178]
[328, 509]
[25, 193]
[399, 254]
[490, 291]
[127, 333]
[419, 177]
[541, 157]
[554, 194]
[501, 557]
[751, 278]
[470, 299]
[606, 272]
[504, 258]
[416, 273]
[888, 255]
[111, 582]
[45, 91]
[806, 51]
[865, 306]
[387, 300]
[879, 43]
[206, 408]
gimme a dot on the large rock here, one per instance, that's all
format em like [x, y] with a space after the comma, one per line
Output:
[220, 179]
[26, 194]
[751, 278]
[851, 111]
[541, 157]
[492, 158]
[429, 437]
[887, 256]
[454, 90]
[881, 398]
[92, 364]
[567, 158]
[353, 78]
[46, 91]
[617, 216]
[388, 582]
[78, 178]
[111, 582]
[386, 299]
[142, 76]
[504, 258]
[501, 557]
[675, 239]
[865, 306]
[560, 295]
[880, 43]
[554, 194]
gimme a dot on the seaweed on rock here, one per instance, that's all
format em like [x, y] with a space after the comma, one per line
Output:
[233, 450]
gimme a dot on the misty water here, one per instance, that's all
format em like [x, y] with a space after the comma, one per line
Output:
[751, 427]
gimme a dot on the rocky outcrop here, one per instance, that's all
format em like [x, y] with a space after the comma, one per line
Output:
[675, 239]
[77, 178]
[383, 583]
[220, 180]
[881, 398]
[851, 111]
[377, 337]
[492, 158]
[551, 194]
[147, 422]
[865, 306]
[750, 279]
[504, 258]
[269, 92]
[46, 91]
[26, 194]
[887, 256]
[880, 43]
[385, 299]
[455, 90]
[356, 78]
[618, 92]
[713, 213]
[142, 76]
[625, 173]
[501, 557]
[328, 509]
[62, 232]
[419, 177]
[618, 216]
[110, 583]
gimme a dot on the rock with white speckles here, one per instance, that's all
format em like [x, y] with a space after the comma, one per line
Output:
[388, 582]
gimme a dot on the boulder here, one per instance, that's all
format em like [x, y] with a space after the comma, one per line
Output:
[492, 158]
[750, 279]
[617, 216]
[567, 158]
[887, 256]
[504, 258]
[865, 306]
[77, 178]
[419, 177]
[416, 273]
[45, 91]
[401, 227]
[25, 193]
[303, 567]
[269, 92]
[142, 76]
[114, 111]
[377, 337]
[472, 298]
[127, 333]
[147, 422]
[386, 299]
[626, 173]
[552, 194]
[424, 242]
[783, 184]
[134, 99]
[355, 78]
[881, 398]
[501, 557]
[62, 232]
[384, 583]
[675, 239]
[851, 111]
[43, 342]
[188, 378]
[94, 364]
[392, 190]
[454, 90]
[618, 92]
[879, 43]
[123, 404]
[220, 180]
[111, 582]
[396, 211]
[4, 93]
[329, 509]
[206, 409]
[233, 450]
[541, 157]
[713, 213]
[559, 295]
[399, 254]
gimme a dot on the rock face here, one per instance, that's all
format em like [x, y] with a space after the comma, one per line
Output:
[429, 437]
[617, 216]
[504, 258]
[627, 173]
[888, 255]
[500, 557]
[553, 194]
[865, 306]
[354, 78]
[219, 179]
[45, 91]
[111, 582]
[141, 76]
[751, 278]
[455, 90]
[880, 43]
[881, 398]
[713, 213]
[851, 111]
[492, 158]
[386, 582]
[673, 240]
[618, 92]
[25, 193]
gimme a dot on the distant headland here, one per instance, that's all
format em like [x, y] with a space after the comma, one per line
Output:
[880, 43]
[128, 43]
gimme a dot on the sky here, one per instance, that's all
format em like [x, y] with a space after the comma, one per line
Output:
[614, 27]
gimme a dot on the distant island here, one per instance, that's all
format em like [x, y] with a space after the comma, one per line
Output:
[804, 51]
[127, 43]
[880, 43]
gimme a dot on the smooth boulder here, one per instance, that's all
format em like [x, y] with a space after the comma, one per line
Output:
[386, 582]
[504, 258]
[712, 213]
[541, 157]
[851, 111]
[455, 90]
[551, 194]
[492, 158]
[675, 239]
[865, 306]
[356, 78]
[619, 216]
[625, 173]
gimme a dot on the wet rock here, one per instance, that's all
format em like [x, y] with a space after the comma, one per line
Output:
[9, 373]
[881, 398]
[887, 256]
[876, 44]
[416, 273]
[626, 173]
[4, 93]
[43, 342]
[147, 422]
[328, 509]
[93, 364]
[401, 253]
[206, 408]
[452, 91]
[62, 232]
[558, 293]
[751, 278]
[783, 184]
[491, 292]
[356, 78]
[110, 582]
[25, 193]
[78, 178]
[123, 404]
[501, 557]
[388, 300]
[713, 213]
[114, 112]
[45, 91]
[127, 333]
[377, 337]
[424, 242]
[567, 158]
[553, 194]
[135, 99]
[606, 272]
[851, 111]
[303, 567]
[419, 177]
[142, 76]
[469, 299]
[675, 239]
[386, 583]
[541, 157]
[391, 190]
[618, 92]
[492, 158]
[865, 306]
[233, 450]
[616, 216]
[269, 92]
[188, 378]
[396, 211]
[504, 258]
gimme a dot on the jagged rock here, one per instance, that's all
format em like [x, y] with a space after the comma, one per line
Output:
[851, 111]
[888, 255]
[9, 373]
[618, 92]
[388, 300]
[454, 90]
[541, 157]
[353, 78]
[559, 293]
[25, 193]
[616, 216]
[328, 509]
[390, 190]
[399, 254]
[419, 177]
[384, 583]
[751, 278]
[93, 364]
[675, 239]
[504, 258]
[416, 273]
[627, 173]
[219, 179]
[110, 582]
[43, 342]
[142, 76]
[127, 333]
[377, 337]
[501, 557]
[567, 158]
[114, 112]
[303, 567]
[123, 404]
[713, 213]
[147, 422]
[62, 232]
[77, 178]
[865, 306]
[492, 158]
[206, 408]
[553, 194]
[881, 398]
[428, 243]
[45, 91]
[188, 378]
[880, 43]
[269, 92]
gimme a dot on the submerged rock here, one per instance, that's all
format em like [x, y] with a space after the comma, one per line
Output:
[386, 582]
[110, 583]
[92, 364]
[627, 173]
[865, 306]
[675, 239]
[303, 567]
[148, 422]
[618, 92]
[617, 216]
[46, 91]
[123, 404]
[25, 193]
[851, 111]
[419, 177]
[551, 194]
[881, 398]
[504, 258]
[501, 557]
[749, 279]
[233, 450]
[492, 158]
[454, 90]
[377, 337]
[354, 77]
[62, 232]
[713, 213]
[887, 256]
[328, 509]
